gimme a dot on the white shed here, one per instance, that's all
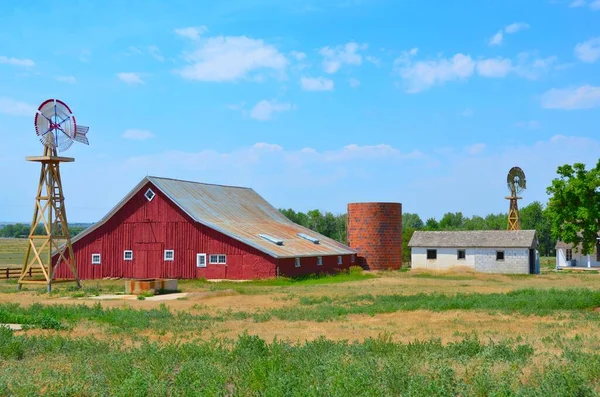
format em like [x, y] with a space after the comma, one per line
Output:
[487, 251]
[567, 256]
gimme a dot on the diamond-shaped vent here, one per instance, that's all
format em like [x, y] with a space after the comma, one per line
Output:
[149, 194]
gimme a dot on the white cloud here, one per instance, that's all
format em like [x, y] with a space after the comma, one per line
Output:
[475, 149]
[347, 54]
[516, 27]
[513, 28]
[137, 135]
[192, 33]
[264, 109]
[150, 50]
[497, 38]
[531, 67]
[12, 107]
[494, 67]
[595, 5]
[16, 61]
[374, 60]
[316, 84]
[529, 125]
[588, 51]
[297, 55]
[584, 97]
[421, 75]
[230, 58]
[577, 3]
[354, 82]
[66, 79]
[130, 78]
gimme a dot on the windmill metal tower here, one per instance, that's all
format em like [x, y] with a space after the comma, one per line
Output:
[56, 128]
[516, 184]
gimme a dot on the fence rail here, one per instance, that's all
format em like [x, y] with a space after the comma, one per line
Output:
[8, 273]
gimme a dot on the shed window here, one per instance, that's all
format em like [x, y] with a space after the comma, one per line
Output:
[218, 259]
[352, 258]
[149, 194]
[569, 254]
[169, 255]
[340, 260]
[499, 255]
[200, 260]
[128, 255]
[96, 260]
[319, 261]
[431, 254]
[297, 262]
[461, 254]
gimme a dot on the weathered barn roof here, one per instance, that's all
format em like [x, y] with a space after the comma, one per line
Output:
[475, 239]
[241, 214]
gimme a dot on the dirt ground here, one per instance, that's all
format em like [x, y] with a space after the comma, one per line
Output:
[400, 326]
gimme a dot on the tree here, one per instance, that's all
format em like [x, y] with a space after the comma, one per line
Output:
[411, 221]
[534, 217]
[574, 206]
[452, 221]
[432, 224]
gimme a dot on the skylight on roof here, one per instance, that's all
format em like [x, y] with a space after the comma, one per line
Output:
[309, 238]
[271, 239]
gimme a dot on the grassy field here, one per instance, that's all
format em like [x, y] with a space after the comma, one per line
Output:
[394, 333]
[12, 251]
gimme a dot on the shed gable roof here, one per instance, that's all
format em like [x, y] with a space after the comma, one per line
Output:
[475, 239]
[239, 213]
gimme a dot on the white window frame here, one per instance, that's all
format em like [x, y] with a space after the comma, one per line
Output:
[569, 254]
[151, 192]
[198, 256]
[125, 258]
[319, 261]
[296, 262]
[217, 259]
[172, 258]
[340, 260]
[96, 262]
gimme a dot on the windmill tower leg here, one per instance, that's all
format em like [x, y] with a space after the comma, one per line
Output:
[514, 223]
[52, 247]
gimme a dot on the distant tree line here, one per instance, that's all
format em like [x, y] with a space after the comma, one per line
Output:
[21, 230]
[533, 217]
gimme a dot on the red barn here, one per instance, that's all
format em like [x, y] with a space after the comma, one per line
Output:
[167, 228]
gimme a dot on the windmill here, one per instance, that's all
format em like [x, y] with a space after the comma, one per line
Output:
[57, 129]
[516, 184]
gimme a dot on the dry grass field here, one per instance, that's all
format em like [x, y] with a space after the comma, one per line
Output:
[12, 252]
[386, 333]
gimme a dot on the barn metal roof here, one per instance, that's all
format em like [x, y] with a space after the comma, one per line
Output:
[475, 239]
[241, 214]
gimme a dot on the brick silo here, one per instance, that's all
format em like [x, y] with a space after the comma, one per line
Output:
[375, 231]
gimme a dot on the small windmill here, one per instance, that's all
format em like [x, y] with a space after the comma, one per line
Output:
[56, 128]
[516, 184]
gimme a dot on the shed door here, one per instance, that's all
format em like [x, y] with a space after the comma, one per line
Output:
[531, 261]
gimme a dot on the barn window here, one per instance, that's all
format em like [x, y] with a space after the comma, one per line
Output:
[169, 255]
[499, 255]
[319, 261]
[340, 260]
[128, 255]
[149, 194]
[218, 259]
[352, 258]
[569, 254]
[297, 262]
[200, 260]
[461, 254]
[431, 254]
[96, 259]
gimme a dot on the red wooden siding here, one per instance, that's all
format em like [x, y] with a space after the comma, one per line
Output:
[150, 227]
[308, 265]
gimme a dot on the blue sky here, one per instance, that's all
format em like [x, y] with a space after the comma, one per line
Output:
[314, 104]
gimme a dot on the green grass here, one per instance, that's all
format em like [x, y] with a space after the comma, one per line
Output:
[249, 366]
[525, 301]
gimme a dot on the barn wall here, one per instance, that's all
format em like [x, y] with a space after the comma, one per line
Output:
[446, 258]
[150, 227]
[308, 265]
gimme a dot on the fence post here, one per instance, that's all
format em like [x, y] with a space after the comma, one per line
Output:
[7, 274]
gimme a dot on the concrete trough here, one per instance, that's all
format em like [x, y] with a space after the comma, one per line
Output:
[136, 287]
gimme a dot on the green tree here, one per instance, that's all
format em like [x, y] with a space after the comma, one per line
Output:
[407, 234]
[432, 224]
[574, 205]
[534, 217]
[412, 221]
[452, 221]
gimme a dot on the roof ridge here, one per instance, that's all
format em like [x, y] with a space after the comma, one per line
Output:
[150, 177]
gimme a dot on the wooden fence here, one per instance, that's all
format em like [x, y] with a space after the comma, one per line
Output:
[8, 273]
